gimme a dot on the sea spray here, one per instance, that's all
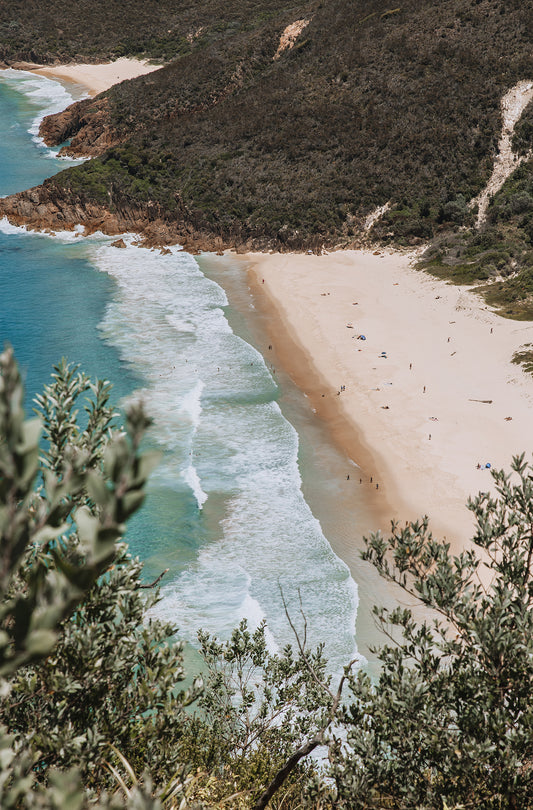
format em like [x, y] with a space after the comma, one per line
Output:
[224, 438]
[156, 324]
[42, 96]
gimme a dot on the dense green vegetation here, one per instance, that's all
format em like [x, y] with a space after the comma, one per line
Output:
[499, 257]
[109, 29]
[375, 103]
[91, 708]
[91, 699]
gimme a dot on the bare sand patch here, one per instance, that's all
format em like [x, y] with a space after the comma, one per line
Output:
[426, 396]
[513, 104]
[97, 78]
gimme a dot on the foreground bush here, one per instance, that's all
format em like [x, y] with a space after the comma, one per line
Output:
[79, 669]
[450, 721]
[90, 700]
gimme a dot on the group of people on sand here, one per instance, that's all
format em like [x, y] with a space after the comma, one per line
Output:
[361, 480]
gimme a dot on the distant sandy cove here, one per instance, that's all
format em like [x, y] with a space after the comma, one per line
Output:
[413, 375]
[97, 78]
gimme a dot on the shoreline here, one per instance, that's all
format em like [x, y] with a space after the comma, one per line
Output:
[345, 511]
[298, 363]
[427, 397]
[429, 392]
[419, 419]
[94, 78]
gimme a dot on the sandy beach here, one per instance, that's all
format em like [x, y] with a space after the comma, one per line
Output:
[97, 78]
[428, 395]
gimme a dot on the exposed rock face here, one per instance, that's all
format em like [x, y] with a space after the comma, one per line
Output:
[47, 208]
[290, 35]
[86, 123]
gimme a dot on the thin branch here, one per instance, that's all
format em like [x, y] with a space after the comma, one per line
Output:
[304, 617]
[319, 737]
[284, 772]
[304, 750]
[156, 581]
[302, 648]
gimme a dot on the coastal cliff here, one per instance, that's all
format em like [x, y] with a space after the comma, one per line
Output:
[48, 209]
[85, 124]
[291, 128]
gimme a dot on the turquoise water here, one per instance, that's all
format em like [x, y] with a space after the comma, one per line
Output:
[44, 281]
[225, 511]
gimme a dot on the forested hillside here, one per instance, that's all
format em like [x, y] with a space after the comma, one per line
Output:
[107, 29]
[374, 103]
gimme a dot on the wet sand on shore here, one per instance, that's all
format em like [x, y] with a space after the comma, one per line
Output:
[427, 394]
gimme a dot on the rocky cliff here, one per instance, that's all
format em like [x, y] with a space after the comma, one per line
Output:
[86, 124]
[45, 208]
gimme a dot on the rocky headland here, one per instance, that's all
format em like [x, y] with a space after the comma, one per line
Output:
[51, 210]
[304, 127]
[86, 125]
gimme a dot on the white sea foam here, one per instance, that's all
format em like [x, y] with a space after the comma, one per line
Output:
[228, 586]
[190, 476]
[63, 236]
[191, 404]
[48, 96]
[215, 415]
[227, 449]
[9, 229]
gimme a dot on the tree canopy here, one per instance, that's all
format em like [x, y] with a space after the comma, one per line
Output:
[92, 703]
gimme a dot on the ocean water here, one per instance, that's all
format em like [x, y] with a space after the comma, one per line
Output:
[225, 510]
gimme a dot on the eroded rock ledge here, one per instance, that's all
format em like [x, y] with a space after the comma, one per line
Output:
[48, 209]
[86, 123]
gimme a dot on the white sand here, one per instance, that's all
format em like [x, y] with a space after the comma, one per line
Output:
[97, 78]
[459, 350]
